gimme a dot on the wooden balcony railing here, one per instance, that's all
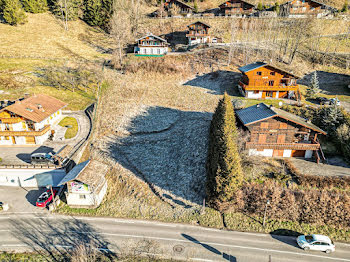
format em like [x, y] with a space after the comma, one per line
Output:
[12, 120]
[26, 133]
[196, 34]
[292, 146]
[270, 88]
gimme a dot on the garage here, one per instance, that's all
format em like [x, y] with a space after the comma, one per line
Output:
[298, 153]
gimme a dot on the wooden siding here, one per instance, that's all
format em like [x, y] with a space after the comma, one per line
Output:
[304, 7]
[236, 7]
[197, 29]
[26, 133]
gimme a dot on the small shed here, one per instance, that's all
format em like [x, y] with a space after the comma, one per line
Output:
[86, 184]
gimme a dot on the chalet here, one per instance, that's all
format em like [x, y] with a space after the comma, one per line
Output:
[151, 45]
[28, 121]
[198, 33]
[176, 7]
[86, 184]
[277, 133]
[236, 8]
[260, 80]
[304, 8]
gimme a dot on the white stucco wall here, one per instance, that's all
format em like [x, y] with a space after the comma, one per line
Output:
[308, 153]
[265, 152]
[25, 177]
[17, 126]
[153, 50]
[199, 40]
[287, 153]
[250, 94]
[74, 199]
[20, 140]
[39, 140]
[5, 142]
[277, 94]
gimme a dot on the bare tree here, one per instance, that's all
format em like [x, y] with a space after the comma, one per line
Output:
[233, 40]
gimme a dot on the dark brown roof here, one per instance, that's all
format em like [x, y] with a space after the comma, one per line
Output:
[223, 4]
[36, 108]
[199, 22]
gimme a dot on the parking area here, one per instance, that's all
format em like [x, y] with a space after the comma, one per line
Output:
[21, 155]
[21, 200]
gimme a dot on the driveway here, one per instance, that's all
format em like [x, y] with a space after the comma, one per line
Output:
[21, 200]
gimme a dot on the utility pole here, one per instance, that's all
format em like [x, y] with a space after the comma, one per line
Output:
[267, 203]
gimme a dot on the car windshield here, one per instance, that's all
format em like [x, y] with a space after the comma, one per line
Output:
[309, 238]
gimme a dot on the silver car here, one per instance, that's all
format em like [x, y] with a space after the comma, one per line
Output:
[316, 242]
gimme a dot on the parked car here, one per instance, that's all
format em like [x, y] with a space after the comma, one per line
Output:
[45, 198]
[40, 158]
[335, 101]
[316, 242]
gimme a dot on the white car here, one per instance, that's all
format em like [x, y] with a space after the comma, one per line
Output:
[316, 242]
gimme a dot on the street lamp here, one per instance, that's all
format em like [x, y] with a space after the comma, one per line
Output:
[267, 203]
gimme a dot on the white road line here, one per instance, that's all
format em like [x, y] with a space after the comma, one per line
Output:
[14, 245]
[201, 259]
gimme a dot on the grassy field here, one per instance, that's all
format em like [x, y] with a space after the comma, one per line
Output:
[42, 42]
[71, 131]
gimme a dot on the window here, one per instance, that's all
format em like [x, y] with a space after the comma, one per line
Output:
[283, 125]
[264, 125]
[271, 83]
[272, 73]
[82, 196]
[259, 73]
[256, 92]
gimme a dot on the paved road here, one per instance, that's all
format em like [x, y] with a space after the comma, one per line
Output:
[28, 232]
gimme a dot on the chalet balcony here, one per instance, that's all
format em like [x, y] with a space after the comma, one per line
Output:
[304, 145]
[12, 120]
[26, 133]
[196, 35]
[269, 88]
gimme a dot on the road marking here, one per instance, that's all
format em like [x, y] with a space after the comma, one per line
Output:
[201, 259]
[226, 245]
[14, 245]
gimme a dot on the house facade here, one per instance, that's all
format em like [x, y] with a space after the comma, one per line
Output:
[86, 184]
[277, 133]
[260, 80]
[28, 121]
[236, 8]
[151, 45]
[198, 33]
[305, 8]
[176, 7]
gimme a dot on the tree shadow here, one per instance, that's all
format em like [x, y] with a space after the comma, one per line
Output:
[57, 238]
[218, 82]
[167, 148]
[330, 83]
[286, 236]
[210, 248]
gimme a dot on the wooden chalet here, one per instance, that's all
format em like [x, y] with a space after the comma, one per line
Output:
[277, 133]
[304, 8]
[236, 8]
[198, 33]
[176, 7]
[260, 80]
[151, 45]
[28, 121]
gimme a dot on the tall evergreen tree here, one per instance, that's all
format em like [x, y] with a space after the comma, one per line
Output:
[34, 6]
[260, 6]
[13, 12]
[224, 171]
[66, 9]
[331, 118]
[98, 12]
[345, 7]
[314, 87]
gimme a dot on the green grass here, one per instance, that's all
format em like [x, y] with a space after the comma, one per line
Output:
[71, 131]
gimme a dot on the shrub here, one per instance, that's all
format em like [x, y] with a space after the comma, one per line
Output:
[34, 6]
[13, 12]
[224, 171]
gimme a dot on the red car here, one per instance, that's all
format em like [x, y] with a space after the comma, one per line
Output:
[45, 198]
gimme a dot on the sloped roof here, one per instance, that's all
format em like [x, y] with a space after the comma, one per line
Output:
[251, 67]
[159, 38]
[199, 22]
[255, 113]
[36, 108]
[256, 65]
[223, 4]
[180, 2]
[262, 111]
[90, 172]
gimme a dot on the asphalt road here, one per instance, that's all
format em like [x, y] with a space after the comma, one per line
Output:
[30, 232]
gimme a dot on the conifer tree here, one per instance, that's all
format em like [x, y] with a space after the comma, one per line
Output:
[345, 7]
[224, 171]
[98, 12]
[34, 6]
[66, 9]
[195, 6]
[314, 87]
[276, 8]
[260, 6]
[13, 12]
[331, 118]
